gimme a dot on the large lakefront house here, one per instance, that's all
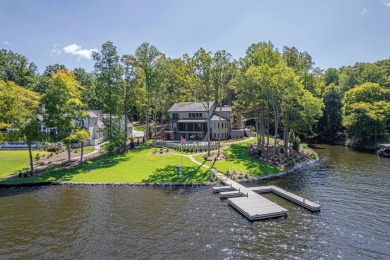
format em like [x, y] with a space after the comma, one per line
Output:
[189, 120]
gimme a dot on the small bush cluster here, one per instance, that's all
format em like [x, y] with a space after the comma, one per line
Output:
[294, 159]
[236, 174]
[212, 177]
[56, 148]
[314, 156]
[296, 142]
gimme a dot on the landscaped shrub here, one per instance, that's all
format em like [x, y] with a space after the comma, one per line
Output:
[54, 148]
[212, 177]
[296, 143]
[37, 157]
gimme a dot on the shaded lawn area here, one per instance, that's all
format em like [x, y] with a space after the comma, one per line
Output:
[239, 159]
[14, 161]
[136, 166]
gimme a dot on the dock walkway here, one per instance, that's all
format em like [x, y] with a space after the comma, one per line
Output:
[249, 202]
[253, 206]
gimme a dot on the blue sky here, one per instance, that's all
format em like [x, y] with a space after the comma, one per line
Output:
[333, 32]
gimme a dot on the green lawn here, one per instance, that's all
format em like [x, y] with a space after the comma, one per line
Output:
[14, 161]
[134, 167]
[87, 149]
[239, 159]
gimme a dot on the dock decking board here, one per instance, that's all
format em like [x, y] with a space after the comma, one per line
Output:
[253, 206]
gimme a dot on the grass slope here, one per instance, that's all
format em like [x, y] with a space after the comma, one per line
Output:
[239, 159]
[136, 166]
[13, 161]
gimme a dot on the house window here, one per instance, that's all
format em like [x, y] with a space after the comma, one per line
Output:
[215, 135]
[194, 115]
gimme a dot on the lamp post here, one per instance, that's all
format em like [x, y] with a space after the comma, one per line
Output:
[181, 158]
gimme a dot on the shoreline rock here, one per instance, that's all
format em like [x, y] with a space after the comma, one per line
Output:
[295, 168]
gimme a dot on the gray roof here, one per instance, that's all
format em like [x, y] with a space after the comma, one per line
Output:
[99, 124]
[217, 118]
[39, 117]
[223, 109]
[190, 106]
[93, 113]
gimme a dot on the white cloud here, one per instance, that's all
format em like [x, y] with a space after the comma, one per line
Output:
[55, 50]
[6, 43]
[364, 11]
[77, 50]
[386, 3]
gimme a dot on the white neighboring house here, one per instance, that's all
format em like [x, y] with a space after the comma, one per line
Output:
[96, 127]
[93, 123]
[42, 126]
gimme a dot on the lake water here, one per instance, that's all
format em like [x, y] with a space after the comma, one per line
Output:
[95, 222]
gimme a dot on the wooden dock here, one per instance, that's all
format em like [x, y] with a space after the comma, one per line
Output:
[256, 207]
[252, 205]
[312, 206]
[231, 194]
[223, 189]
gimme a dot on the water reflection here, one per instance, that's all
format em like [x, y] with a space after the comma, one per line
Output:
[139, 222]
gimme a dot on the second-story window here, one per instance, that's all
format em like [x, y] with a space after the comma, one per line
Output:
[194, 115]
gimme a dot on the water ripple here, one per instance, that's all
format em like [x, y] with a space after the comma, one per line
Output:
[138, 222]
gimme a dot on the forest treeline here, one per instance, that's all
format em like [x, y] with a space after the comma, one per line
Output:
[280, 92]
